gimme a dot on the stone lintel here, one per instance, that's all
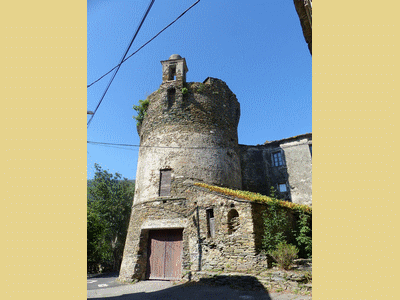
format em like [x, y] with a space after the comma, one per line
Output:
[164, 224]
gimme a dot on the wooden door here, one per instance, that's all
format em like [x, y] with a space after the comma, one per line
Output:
[164, 259]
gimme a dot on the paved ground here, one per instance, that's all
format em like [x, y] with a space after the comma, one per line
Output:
[103, 281]
[165, 290]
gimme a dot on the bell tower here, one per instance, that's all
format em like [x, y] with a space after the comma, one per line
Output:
[189, 134]
[174, 69]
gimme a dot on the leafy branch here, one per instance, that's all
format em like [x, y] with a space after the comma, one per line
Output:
[141, 110]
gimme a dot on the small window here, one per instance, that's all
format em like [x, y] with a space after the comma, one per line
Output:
[310, 146]
[172, 72]
[233, 221]
[165, 183]
[210, 222]
[282, 188]
[277, 159]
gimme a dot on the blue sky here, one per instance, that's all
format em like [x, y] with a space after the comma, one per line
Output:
[256, 47]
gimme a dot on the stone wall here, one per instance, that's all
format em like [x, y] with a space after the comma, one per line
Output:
[158, 214]
[190, 134]
[299, 169]
[231, 247]
[193, 133]
[254, 164]
[259, 173]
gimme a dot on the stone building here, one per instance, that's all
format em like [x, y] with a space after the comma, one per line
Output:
[188, 136]
[304, 11]
[284, 164]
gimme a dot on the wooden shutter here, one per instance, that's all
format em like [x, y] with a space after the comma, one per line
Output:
[212, 227]
[165, 183]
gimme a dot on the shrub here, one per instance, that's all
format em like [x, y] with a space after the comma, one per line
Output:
[276, 224]
[141, 110]
[284, 255]
[303, 235]
[185, 91]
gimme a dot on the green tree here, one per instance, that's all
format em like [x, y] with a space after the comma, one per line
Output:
[303, 235]
[108, 212]
[276, 225]
[278, 228]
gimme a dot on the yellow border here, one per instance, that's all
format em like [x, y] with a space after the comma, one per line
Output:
[355, 97]
[44, 149]
[355, 55]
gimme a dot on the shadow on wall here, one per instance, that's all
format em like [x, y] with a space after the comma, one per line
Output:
[278, 174]
[263, 168]
[258, 210]
[214, 288]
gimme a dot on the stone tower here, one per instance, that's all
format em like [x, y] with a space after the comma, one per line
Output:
[189, 136]
[189, 132]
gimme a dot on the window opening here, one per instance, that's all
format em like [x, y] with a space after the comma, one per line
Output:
[233, 221]
[277, 159]
[282, 188]
[172, 73]
[165, 183]
[310, 146]
[210, 222]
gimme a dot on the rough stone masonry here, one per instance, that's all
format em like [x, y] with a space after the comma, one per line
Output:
[189, 134]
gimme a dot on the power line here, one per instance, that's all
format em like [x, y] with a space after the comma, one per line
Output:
[144, 44]
[119, 147]
[161, 147]
[122, 59]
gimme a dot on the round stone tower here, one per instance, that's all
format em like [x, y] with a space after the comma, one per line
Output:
[189, 132]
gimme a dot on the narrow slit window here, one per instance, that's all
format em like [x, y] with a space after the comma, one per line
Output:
[210, 222]
[171, 97]
[310, 146]
[165, 183]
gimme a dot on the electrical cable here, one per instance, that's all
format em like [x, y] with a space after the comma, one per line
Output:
[162, 147]
[123, 57]
[144, 44]
[119, 147]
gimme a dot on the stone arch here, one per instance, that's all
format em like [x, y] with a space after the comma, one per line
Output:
[233, 221]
